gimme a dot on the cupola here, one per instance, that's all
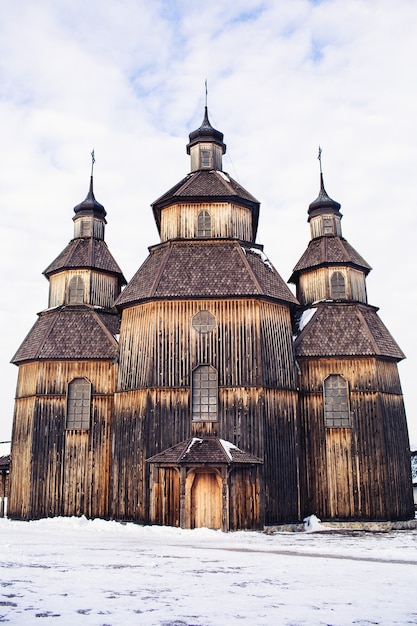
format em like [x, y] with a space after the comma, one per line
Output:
[90, 217]
[324, 215]
[206, 147]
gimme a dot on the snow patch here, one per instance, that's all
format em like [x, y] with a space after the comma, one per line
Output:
[261, 255]
[223, 175]
[306, 317]
[193, 441]
[312, 524]
[227, 446]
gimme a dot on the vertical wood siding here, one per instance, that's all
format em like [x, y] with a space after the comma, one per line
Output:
[227, 220]
[251, 348]
[100, 289]
[315, 285]
[362, 472]
[58, 471]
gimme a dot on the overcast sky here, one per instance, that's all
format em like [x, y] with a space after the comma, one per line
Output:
[126, 77]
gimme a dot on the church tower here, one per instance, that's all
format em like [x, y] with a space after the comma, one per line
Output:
[61, 442]
[354, 451]
[206, 397]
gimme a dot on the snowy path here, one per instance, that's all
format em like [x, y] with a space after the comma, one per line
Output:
[74, 571]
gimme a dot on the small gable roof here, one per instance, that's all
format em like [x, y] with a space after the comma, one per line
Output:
[204, 451]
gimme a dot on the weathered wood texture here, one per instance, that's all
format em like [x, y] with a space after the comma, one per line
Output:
[211, 497]
[227, 220]
[315, 285]
[361, 472]
[250, 346]
[252, 351]
[56, 471]
[100, 289]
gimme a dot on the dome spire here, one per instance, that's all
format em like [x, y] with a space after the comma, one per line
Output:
[90, 206]
[323, 203]
[206, 145]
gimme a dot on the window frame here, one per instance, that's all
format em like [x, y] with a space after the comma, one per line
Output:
[78, 404]
[336, 405]
[204, 224]
[75, 292]
[204, 394]
[338, 285]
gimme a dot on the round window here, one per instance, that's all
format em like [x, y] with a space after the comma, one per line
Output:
[204, 322]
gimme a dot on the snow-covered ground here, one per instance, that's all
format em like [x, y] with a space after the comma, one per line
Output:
[75, 571]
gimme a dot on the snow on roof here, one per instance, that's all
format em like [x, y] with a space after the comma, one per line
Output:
[260, 254]
[193, 441]
[306, 317]
[227, 446]
[224, 175]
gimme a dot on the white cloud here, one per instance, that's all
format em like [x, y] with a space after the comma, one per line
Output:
[127, 78]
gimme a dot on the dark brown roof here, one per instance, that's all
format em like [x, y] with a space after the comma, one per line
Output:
[329, 251]
[90, 206]
[205, 269]
[5, 462]
[204, 451]
[71, 332]
[206, 132]
[86, 253]
[209, 185]
[323, 203]
[337, 330]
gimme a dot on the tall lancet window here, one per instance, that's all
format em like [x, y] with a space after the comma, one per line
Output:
[204, 394]
[78, 404]
[336, 402]
[338, 286]
[76, 290]
[204, 224]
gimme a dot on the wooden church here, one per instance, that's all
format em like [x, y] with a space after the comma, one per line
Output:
[204, 393]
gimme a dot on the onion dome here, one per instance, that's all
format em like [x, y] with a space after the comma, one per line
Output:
[206, 133]
[323, 203]
[90, 206]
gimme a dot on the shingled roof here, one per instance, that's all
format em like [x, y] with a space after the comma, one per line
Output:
[71, 332]
[207, 185]
[339, 330]
[86, 253]
[329, 251]
[205, 269]
[204, 451]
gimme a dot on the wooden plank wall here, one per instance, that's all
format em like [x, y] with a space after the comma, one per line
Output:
[57, 471]
[315, 285]
[362, 472]
[227, 220]
[100, 289]
[257, 393]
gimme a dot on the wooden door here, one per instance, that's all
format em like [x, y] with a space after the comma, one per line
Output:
[206, 501]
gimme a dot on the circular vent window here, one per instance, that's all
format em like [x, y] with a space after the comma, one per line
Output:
[204, 322]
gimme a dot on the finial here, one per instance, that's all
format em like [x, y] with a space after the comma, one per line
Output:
[206, 93]
[319, 158]
[93, 160]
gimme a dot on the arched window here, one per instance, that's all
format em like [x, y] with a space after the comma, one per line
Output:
[203, 224]
[336, 402]
[204, 394]
[338, 286]
[78, 404]
[76, 290]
